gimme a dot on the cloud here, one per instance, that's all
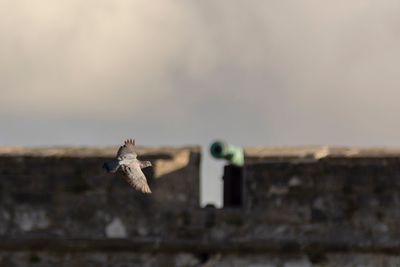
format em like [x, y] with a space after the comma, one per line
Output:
[93, 57]
[278, 67]
[177, 72]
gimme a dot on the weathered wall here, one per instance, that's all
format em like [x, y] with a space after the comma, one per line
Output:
[338, 207]
[48, 196]
[125, 259]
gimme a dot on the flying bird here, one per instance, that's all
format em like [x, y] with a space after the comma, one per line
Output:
[131, 166]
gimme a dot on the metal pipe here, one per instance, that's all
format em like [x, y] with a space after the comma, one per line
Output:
[233, 154]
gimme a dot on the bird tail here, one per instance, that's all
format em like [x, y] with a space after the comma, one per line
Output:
[111, 166]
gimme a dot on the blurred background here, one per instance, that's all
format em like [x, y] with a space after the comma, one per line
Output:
[188, 72]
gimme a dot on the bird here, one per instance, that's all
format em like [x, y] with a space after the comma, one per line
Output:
[126, 159]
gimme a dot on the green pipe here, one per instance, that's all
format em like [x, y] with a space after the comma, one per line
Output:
[233, 154]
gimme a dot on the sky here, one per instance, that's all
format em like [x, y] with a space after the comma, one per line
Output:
[253, 73]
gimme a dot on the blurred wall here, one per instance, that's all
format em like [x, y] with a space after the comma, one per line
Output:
[302, 207]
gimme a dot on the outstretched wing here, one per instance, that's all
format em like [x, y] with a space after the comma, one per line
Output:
[144, 164]
[127, 150]
[136, 177]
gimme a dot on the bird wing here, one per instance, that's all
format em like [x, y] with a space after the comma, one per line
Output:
[144, 164]
[136, 177]
[127, 150]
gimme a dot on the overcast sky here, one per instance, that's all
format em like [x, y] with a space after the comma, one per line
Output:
[187, 72]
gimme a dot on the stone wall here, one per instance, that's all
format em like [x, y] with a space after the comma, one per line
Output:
[301, 207]
[60, 199]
